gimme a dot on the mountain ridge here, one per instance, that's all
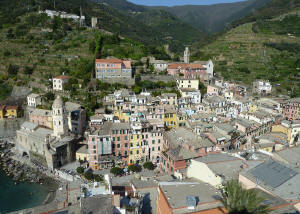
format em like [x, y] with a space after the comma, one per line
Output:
[208, 18]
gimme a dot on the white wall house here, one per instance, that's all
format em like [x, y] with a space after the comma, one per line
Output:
[201, 171]
[33, 100]
[209, 65]
[160, 65]
[62, 14]
[262, 87]
[194, 95]
[58, 82]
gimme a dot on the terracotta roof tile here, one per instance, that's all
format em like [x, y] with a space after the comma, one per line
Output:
[62, 77]
[109, 60]
[185, 66]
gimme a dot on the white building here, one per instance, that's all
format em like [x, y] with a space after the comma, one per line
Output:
[195, 95]
[159, 65]
[209, 65]
[215, 169]
[58, 82]
[62, 14]
[262, 87]
[33, 100]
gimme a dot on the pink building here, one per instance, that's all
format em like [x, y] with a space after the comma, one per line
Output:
[100, 147]
[113, 68]
[155, 144]
[41, 117]
[213, 90]
[291, 109]
[179, 147]
[119, 133]
[191, 71]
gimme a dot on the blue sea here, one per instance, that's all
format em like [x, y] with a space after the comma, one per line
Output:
[20, 196]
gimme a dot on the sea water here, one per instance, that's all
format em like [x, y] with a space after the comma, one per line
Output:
[21, 196]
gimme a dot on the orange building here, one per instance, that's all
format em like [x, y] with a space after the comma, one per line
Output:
[188, 197]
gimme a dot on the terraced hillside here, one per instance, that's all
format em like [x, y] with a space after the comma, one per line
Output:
[266, 49]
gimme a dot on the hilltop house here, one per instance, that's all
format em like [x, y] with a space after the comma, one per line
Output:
[187, 83]
[113, 68]
[262, 87]
[33, 100]
[191, 71]
[58, 82]
[209, 65]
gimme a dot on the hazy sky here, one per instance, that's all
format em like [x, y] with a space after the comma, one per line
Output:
[180, 2]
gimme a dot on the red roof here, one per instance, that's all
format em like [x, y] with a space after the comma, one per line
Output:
[109, 60]
[62, 77]
[185, 66]
[12, 107]
[8, 107]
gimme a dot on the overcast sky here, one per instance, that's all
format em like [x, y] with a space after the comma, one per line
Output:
[180, 2]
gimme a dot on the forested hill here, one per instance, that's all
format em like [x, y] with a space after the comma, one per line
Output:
[268, 11]
[152, 27]
[215, 18]
[264, 49]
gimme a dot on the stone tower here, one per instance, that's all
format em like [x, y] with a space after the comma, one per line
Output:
[186, 56]
[94, 22]
[59, 115]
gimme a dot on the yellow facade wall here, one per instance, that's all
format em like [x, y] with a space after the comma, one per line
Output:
[135, 148]
[170, 119]
[82, 156]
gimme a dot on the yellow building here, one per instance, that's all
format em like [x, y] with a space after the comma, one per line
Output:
[170, 98]
[290, 128]
[2, 112]
[122, 115]
[170, 118]
[281, 129]
[181, 119]
[82, 154]
[8, 112]
[267, 147]
[253, 108]
[135, 148]
[188, 83]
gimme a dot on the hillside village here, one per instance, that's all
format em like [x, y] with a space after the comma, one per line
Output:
[162, 137]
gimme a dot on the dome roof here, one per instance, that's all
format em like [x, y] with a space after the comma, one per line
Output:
[58, 102]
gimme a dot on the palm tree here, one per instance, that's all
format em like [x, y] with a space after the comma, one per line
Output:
[238, 200]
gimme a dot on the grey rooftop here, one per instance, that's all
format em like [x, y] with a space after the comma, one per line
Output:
[213, 158]
[176, 193]
[29, 126]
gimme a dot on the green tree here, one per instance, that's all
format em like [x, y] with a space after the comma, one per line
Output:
[80, 170]
[89, 175]
[49, 96]
[12, 70]
[149, 165]
[28, 70]
[135, 168]
[116, 171]
[98, 178]
[238, 200]
[202, 88]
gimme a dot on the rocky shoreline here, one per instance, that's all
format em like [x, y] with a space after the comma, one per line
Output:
[21, 172]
